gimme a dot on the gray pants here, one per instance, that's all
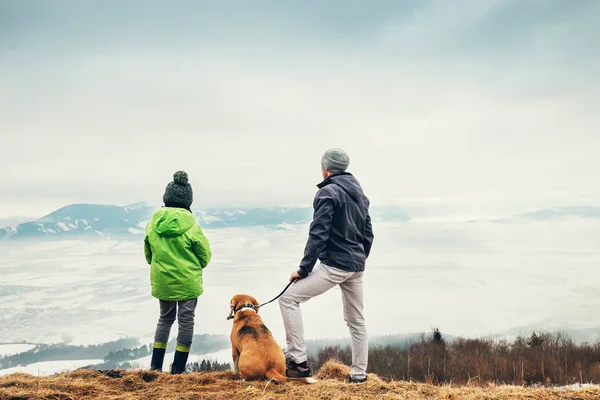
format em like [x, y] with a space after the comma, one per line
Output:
[318, 282]
[184, 311]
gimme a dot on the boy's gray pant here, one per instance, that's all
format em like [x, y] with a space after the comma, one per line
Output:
[318, 282]
[184, 311]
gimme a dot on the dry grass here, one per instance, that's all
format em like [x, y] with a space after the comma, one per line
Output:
[129, 385]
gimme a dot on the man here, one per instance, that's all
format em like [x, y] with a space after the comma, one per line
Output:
[341, 237]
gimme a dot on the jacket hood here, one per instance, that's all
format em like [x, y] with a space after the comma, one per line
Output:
[347, 182]
[172, 222]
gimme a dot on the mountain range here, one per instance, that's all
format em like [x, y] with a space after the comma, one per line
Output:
[110, 221]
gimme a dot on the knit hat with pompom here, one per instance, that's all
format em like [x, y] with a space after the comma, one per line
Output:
[179, 192]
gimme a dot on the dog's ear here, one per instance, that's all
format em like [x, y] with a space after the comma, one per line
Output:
[231, 313]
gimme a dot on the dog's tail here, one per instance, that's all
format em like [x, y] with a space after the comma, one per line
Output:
[275, 375]
[308, 380]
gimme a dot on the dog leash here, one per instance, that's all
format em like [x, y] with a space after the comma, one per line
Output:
[279, 295]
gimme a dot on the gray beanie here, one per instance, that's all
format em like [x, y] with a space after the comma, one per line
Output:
[335, 160]
[179, 192]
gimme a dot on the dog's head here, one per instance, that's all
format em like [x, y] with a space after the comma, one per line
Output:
[242, 301]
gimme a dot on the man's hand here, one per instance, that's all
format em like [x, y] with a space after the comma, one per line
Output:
[295, 276]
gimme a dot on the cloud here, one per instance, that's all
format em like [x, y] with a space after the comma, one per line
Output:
[102, 103]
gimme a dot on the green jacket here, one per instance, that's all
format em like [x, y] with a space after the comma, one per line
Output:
[177, 252]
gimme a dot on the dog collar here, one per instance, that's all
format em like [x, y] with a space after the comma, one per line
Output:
[246, 306]
[243, 307]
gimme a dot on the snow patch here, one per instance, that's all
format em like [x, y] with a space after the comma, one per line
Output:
[132, 207]
[63, 226]
[208, 218]
[577, 386]
[285, 226]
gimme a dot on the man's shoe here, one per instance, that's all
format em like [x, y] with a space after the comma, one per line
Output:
[356, 380]
[294, 370]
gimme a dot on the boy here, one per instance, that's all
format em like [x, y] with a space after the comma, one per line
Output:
[177, 252]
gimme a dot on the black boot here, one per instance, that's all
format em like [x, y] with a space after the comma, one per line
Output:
[158, 357]
[179, 362]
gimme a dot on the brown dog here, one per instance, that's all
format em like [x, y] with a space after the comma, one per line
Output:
[255, 353]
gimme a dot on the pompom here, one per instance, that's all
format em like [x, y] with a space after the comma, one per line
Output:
[180, 178]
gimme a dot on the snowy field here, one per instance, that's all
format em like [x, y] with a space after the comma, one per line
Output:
[465, 278]
[14, 348]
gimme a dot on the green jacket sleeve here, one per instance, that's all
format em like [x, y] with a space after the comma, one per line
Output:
[201, 248]
[147, 251]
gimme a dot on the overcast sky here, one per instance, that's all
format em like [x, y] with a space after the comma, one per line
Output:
[479, 106]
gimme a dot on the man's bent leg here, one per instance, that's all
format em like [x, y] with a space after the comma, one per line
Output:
[316, 283]
[352, 295]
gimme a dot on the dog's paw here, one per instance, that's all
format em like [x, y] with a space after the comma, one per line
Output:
[311, 380]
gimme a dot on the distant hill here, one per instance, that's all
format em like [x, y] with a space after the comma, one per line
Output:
[551, 214]
[110, 221]
[562, 212]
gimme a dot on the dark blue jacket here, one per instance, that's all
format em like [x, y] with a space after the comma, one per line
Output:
[340, 234]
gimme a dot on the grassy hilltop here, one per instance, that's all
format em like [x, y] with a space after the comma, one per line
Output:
[129, 385]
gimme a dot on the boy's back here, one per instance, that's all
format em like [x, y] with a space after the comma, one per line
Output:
[177, 251]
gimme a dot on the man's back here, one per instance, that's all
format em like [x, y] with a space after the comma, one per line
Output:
[341, 234]
[347, 248]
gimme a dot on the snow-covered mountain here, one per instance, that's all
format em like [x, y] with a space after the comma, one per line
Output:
[83, 219]
[104, 221]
